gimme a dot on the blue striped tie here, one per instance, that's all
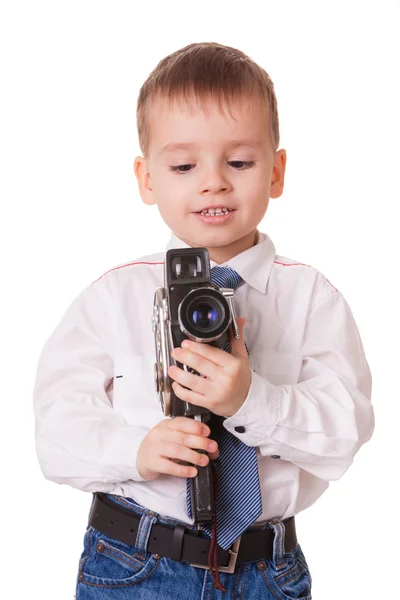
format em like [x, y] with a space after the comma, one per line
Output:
[238, 502]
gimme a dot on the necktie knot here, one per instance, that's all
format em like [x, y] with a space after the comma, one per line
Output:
[225, 277]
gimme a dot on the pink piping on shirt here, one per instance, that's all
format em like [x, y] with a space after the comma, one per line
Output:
[128, 265]
[298, 265]
[162, 262]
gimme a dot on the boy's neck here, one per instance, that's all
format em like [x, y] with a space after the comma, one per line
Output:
[222, 254]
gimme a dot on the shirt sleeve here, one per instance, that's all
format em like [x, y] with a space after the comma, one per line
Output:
[320, 422]
[80, 440]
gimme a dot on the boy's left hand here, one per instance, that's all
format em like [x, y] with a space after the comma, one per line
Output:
[227, 375]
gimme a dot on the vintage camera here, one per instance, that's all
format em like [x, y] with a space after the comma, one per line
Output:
[189, 306]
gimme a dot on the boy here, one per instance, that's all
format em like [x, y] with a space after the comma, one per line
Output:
[295, 396]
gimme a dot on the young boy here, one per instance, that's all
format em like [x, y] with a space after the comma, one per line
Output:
[293, 392]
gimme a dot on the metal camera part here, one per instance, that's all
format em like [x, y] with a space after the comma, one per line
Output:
[163, 345]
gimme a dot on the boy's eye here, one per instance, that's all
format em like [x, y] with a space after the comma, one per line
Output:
[181, 168]
[242, 163]
[237, 164]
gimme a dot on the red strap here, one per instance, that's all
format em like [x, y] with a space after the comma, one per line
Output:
[212, 554]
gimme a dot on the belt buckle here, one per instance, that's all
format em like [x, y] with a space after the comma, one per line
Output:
[233, 552]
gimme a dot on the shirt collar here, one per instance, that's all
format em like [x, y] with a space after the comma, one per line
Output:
[253, 265]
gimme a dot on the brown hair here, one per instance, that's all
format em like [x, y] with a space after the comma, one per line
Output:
[209, 70]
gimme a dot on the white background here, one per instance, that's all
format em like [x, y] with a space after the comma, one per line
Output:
[70, 210]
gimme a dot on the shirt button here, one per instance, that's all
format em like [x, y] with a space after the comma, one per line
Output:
[240, 429]
[275, 456]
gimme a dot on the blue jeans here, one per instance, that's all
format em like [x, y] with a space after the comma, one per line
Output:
[109, 569]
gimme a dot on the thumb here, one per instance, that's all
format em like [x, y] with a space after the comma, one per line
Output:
[238, 347]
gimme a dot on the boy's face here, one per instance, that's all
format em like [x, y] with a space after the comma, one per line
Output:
[219, 161]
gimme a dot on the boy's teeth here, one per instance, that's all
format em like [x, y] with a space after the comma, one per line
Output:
[215, 211]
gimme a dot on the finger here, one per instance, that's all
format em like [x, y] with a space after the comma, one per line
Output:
[215, 355]
[214, 455]
[190, 396]
[201, 364]
[186, 425]
[190, 433]
[211, 455]
[193, 382]
[190, 440]
[179, 452]
[169, 467]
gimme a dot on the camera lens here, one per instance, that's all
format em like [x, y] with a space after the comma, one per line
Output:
[204, 314]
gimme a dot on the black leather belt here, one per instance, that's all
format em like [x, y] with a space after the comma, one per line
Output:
[178, 543]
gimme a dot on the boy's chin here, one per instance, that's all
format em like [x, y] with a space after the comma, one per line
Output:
[204, 240]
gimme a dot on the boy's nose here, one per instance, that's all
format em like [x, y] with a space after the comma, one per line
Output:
[214, 182]
[211, 189]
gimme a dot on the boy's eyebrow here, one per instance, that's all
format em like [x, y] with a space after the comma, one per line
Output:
[231, 144]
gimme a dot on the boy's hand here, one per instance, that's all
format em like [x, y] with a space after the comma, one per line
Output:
[227, 375]
[170, 442]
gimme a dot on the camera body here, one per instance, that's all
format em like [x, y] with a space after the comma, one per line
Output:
[189, 306]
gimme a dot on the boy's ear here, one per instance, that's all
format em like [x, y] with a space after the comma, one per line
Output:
[141, 171]
[278, 174]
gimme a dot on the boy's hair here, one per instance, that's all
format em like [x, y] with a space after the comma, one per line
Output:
[209, 71]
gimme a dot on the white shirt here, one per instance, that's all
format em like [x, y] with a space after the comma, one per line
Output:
[308, 403]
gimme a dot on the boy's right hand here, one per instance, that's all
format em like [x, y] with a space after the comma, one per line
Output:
[172, 441]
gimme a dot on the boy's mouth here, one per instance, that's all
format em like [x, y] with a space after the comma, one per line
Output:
[215, 215]
[211, 211]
